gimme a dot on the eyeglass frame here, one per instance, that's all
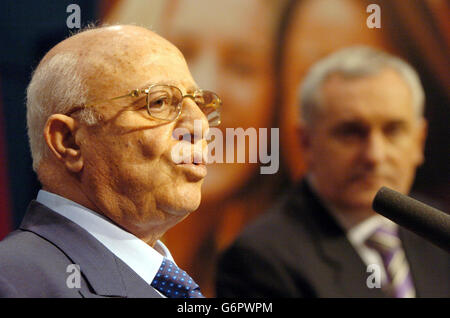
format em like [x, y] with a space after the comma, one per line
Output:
[139, 91]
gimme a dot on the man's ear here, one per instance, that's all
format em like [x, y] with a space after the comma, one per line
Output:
[304, 136]
[59, 134]
[421, 138]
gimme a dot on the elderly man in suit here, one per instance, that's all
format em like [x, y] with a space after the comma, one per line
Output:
[105, 109]
[362, 128]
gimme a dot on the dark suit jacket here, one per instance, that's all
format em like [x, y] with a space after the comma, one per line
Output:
[34, 261]
[298, 250]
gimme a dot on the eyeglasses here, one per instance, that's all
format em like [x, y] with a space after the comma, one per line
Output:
[164, 102]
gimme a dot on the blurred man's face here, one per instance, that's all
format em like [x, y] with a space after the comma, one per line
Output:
[228, 47]
[366, 136]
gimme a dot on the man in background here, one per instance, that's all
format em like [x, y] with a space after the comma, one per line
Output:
[105, 110]
[362, 128]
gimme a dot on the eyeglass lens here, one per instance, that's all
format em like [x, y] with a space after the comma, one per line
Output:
[164, 102]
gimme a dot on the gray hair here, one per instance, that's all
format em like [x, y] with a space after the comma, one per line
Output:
[56, 87]
[356, 61]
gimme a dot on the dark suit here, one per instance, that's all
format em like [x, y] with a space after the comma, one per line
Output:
[298, 250]
[35, 258]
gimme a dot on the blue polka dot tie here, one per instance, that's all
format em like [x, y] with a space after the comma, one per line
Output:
[174, 282]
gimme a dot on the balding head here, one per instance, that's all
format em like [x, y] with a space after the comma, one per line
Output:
[91, 65]
[114, 156]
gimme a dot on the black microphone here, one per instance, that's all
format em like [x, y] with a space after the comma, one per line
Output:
[422, 219]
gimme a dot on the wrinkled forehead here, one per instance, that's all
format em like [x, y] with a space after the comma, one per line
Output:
[138, 65]
[116, 59]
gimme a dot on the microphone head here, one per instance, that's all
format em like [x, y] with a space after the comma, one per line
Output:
[386, 198]
[414, 215]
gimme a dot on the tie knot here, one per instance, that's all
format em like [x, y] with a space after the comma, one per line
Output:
[175, 282]
[384, 240]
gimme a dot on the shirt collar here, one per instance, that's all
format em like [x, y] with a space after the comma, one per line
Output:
[359, 233]
[139, 256]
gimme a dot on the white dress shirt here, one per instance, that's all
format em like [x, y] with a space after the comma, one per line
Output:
[139, 256]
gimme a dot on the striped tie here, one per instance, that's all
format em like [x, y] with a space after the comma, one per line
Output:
[386, 242]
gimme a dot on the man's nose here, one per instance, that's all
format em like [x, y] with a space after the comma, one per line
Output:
[192, 121]
[375, 148]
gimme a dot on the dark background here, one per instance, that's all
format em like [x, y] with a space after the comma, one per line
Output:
[28, 29]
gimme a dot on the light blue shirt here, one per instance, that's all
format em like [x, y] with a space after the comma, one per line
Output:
[139, 256]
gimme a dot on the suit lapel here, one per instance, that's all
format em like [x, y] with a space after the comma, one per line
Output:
[105, 273]
[135, 286]
[349, 271]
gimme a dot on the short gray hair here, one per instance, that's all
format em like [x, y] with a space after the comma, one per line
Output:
[56, 86]
[356, 61]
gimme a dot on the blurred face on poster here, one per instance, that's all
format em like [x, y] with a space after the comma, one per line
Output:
[229, 49]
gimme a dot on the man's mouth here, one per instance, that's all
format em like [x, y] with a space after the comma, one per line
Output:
[371, 180]
[198, 159]
[194, 171]
[194, 166]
